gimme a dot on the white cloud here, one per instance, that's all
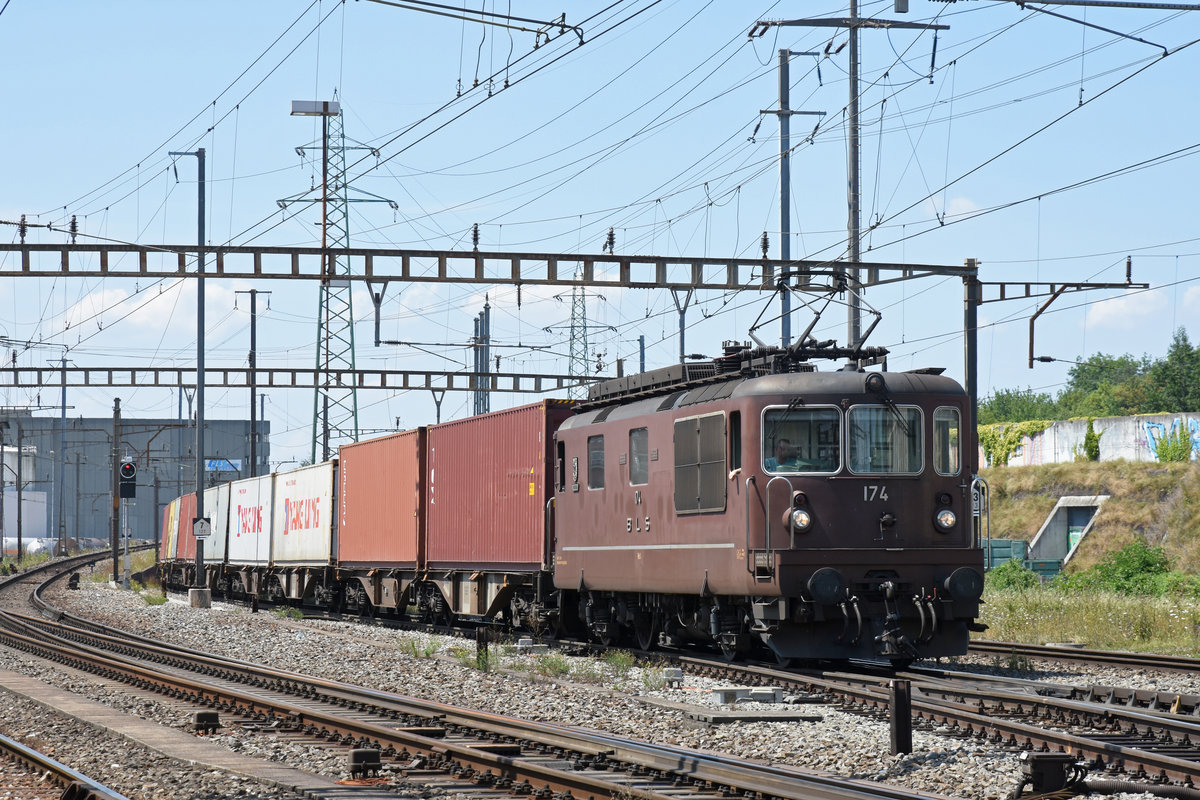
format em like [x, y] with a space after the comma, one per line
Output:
[1133, 310]
[955, 208]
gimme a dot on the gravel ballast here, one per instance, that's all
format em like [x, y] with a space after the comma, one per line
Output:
[626, 700]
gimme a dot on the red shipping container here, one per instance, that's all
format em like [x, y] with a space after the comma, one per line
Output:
[185, 541]
[487, 480]
[379, 501]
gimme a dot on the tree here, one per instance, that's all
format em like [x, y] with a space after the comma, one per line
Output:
[1016, 405]
[1178, 375]
[1102, 369]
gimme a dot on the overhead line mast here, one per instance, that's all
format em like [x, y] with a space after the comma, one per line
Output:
[852, 23]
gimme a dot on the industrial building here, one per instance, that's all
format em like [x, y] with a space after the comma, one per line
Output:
[65, 478]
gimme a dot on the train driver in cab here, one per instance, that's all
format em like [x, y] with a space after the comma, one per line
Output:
[784, 459]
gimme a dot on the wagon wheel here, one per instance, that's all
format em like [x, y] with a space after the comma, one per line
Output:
[610, 637]
[730, 652]
[566, 619]
[645, 630]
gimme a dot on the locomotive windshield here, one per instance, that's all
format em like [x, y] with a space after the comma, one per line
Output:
[885, 440]
[801, 440]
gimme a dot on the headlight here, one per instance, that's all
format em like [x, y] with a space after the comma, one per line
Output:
[945, 519]
[801, 519]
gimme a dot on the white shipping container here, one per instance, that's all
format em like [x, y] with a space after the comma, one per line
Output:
[216, 508]
[302, 529]
[250, 520]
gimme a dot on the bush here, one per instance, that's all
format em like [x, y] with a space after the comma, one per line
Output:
[1011, 575]
[1175, 446]
[1091, 442]
[1136, 569]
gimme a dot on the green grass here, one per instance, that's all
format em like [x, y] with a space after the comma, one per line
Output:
[1101, 620]
[620, 661]
[552, 665]
[419, 648]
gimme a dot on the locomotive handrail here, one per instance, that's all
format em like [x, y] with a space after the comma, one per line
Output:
[549, 523]
[749, 481]
[982, 515]
[767, 515]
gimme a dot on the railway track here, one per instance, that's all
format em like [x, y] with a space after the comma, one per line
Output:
[25, 772]
[1084, 722]
[452, 749]
[1070, 653]
[1144, 735]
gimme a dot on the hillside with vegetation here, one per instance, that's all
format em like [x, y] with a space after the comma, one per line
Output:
[1156, 503]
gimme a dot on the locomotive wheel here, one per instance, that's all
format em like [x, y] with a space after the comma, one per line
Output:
[645, 630]
[608, 638]
[730, 652]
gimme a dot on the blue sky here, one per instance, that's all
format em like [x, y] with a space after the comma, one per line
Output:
[1046, 149]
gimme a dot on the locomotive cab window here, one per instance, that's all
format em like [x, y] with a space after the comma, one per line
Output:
[639, 456]
[801, 440]
[885, 440]
[595, 461]
[946, 441]
[700, 464]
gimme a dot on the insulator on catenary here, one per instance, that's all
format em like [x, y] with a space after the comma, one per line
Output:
[766, 244]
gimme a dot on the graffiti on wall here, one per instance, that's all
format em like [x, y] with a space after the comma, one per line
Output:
[1157, 431]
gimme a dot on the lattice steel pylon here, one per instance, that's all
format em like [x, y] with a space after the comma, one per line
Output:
[335, 405]
[578, 366]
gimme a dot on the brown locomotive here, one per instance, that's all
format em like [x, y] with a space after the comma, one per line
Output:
[756, 500]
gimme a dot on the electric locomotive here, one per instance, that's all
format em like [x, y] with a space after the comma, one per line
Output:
[755, 501]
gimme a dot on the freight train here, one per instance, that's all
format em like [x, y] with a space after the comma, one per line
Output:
[747, 503]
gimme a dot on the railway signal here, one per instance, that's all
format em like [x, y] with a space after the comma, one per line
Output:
[128, 483]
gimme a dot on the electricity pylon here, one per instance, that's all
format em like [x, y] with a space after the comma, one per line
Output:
[335, 405]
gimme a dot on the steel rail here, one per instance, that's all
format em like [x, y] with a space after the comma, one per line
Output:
[771, 780]
[74, 784]
[1117, 702]
[492, 768]
[968, 719]
[1059, 653]
[706, 772]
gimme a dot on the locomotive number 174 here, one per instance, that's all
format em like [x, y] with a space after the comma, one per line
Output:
[874, 492]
